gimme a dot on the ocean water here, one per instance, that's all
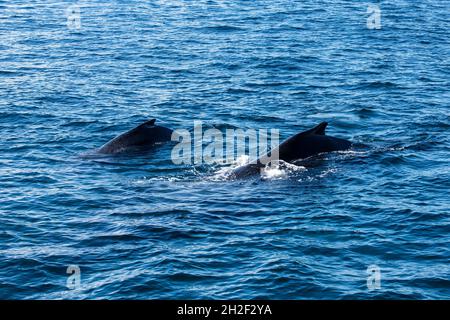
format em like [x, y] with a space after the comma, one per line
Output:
[141, 227]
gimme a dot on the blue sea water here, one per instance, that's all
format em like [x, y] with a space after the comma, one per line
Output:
[143, 228]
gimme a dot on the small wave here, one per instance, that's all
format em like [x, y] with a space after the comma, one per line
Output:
[378, 85]
[223, 28]
[238, 90]
[7, 72]
[149, 181]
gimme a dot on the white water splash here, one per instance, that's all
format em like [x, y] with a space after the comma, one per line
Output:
[241, 160]
[280, 170]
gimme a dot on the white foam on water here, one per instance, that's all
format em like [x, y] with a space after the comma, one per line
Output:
[223, 173]
[280, 170]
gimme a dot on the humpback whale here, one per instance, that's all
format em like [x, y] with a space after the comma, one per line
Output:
[299, 146]
[141, 138]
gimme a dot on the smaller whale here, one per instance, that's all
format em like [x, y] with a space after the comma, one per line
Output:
[140, 138]
[300, 146]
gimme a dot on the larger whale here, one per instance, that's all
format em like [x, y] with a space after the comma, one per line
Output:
[140, 138]
[299, 146]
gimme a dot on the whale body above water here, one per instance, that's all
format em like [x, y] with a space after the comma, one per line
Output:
[142, 137]
[299, 146]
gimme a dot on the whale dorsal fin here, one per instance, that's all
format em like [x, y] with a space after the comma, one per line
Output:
[319, 129]
[150, 122]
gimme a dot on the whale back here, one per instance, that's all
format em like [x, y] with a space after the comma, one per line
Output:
[144, 135]
[311, 142]
[299, 146]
